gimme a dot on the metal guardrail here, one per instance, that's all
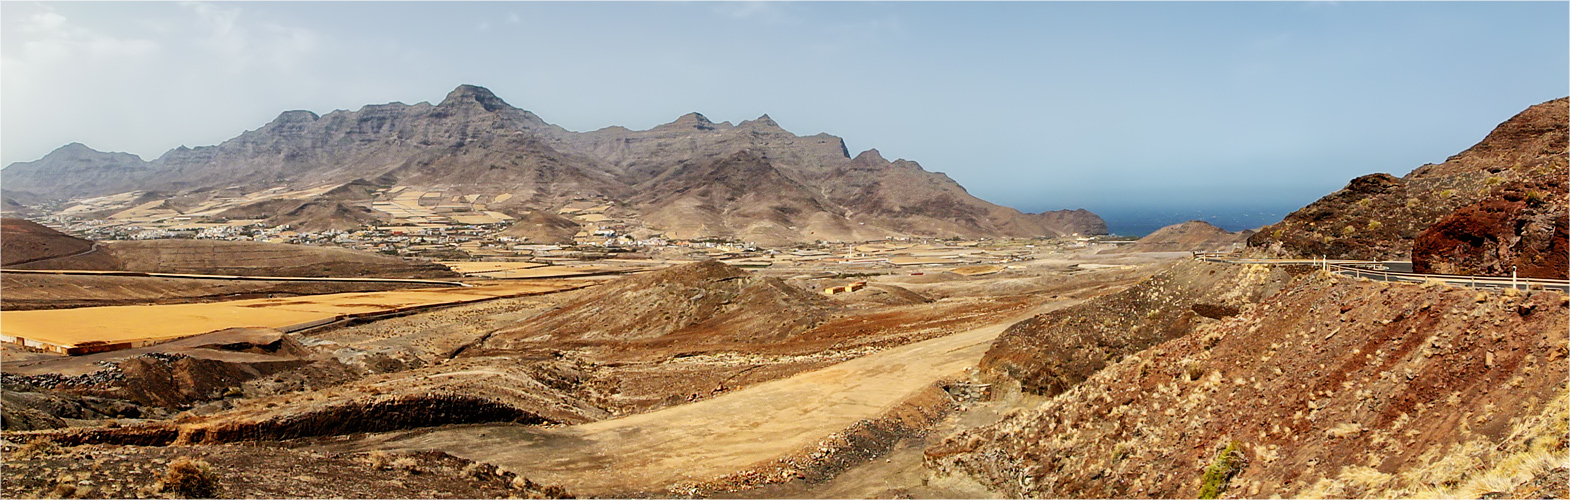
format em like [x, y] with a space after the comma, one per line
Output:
[1354, 268]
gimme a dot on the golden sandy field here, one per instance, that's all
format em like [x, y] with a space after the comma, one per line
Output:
[141, 325]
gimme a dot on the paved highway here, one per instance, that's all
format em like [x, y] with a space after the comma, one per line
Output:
[1397, 271]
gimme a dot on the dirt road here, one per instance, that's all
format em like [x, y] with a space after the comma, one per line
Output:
[648, 452]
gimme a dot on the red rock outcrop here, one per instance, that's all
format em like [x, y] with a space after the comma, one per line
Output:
[1524, 227]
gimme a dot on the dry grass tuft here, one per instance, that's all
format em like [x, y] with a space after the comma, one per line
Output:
[36, 448]
[188, 478]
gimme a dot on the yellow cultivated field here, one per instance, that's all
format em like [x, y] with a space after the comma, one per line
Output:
[123, 327]
[555, 272]
[976, 270]
[913, 261]
[474, 219]
[488, 267]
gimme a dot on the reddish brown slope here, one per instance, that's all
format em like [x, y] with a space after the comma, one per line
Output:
[1333, 387]
[702, 303]
[1053, 352]
[26, 244]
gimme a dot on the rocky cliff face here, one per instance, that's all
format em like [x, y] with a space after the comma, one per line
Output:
[1522, 228]
[1378, 216]
[691, 177]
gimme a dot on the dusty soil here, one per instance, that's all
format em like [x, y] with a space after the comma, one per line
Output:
[540, 226]
[121, 324]
[1053, 352]
[106, 471]
[53, 291]
[659, 452]
[174, 375]
[247, 258]
[690, 304]
[1333, 387]
[414, 373]
[26, 244]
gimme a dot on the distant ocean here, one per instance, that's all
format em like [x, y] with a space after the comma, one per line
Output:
[1138, 222]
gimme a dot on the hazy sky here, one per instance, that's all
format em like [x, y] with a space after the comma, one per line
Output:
[1032, 105]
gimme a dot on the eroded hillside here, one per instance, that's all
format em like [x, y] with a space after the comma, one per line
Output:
[1053, 352]
[1332, 387]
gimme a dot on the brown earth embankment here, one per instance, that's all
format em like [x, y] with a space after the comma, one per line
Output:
[1334, 387]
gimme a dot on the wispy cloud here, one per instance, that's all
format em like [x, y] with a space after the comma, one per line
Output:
[49, 36]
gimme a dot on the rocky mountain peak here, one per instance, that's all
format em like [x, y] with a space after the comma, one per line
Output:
[296, 116]
[762, 123]
[694, 117]
[79, 151]
[690, 120]
[470, 95]
[870, 157]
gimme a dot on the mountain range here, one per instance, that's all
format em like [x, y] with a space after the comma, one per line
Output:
[690, 178]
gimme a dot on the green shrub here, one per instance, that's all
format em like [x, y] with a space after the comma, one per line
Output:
[1535, 198]
[1221, 470]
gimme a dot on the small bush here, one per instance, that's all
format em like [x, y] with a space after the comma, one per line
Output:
[379, 460]
[1226, 466]
[63, 490]
[407, 464]
[1193, 369]
[188, 478]
[37, 447]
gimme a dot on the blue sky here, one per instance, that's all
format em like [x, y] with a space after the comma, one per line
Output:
[1033, 105]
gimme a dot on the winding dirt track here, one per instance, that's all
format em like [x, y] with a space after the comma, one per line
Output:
[700, 441]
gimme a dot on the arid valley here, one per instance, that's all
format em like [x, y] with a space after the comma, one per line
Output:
[785, 250]
[533, 351]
